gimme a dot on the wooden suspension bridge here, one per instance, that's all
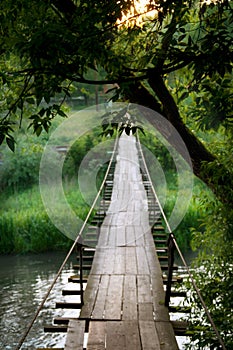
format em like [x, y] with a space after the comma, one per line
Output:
[128, 250]
[124, 305]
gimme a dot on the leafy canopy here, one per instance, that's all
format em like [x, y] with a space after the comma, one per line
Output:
[47, 45]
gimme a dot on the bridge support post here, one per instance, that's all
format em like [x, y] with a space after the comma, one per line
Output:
[171, 250]
[80, 249]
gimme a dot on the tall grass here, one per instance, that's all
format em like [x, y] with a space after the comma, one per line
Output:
[25, 225]
[194, 216]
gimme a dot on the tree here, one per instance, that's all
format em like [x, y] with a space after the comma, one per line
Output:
[47, 45]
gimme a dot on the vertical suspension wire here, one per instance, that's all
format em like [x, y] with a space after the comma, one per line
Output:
[172, 237]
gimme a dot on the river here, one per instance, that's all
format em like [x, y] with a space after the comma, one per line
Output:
[24, 282]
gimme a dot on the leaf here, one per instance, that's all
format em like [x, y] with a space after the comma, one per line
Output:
[127, 130]
[42, 112]
[181, 37]
[61, 113]
[2, 137]
[11, 143]
[38, 130]
[30, 100]
[184, 95]
[141, 129]
[47, 98]
[110, 132]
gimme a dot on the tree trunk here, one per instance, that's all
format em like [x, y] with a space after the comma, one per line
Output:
[222, 187]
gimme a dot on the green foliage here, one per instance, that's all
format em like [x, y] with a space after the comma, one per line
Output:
[42, 54]
[21, 168]
[25, 226]
[213, 104]
[213, 274]
[121, 121]
[215, 282]
[78, 151]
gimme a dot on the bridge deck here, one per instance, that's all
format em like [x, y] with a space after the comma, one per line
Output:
[124, 298]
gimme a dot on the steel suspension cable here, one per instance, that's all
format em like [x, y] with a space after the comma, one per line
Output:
[179, 251]
[22, 340]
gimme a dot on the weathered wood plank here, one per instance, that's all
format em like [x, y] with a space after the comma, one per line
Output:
[144, 289]
[132, 335]
[120, 236]
[130, 261]
[104, 232]
[97, 334]
[112, 234]
[166, 336]
[90, 296]
[115, 336]
[75, 335]
[153, 261]
[98, 261]
[130, 298]
[145, 312]
[160, 310]
[143, 268]
[114, 298]
[99, 307]
[119, 263]
[109, 260]
[130, 236]
[149, 336]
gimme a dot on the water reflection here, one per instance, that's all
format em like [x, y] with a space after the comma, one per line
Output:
[24, 282]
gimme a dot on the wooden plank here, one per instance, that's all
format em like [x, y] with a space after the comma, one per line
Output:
[112, 235]
[55, 329]
[160, 310]
[139, 236]
[153, 261]
[99, 308]
[132, 335]
[145, 311]
[130, 299]
[119, 263]
[149, 336]
[130, 236]
[131, 261]
[68, 305]
[120, 236]
[143, 268]
[63, 320]
[166, 336]
[75, 335]
[89, 296]
[115, 336]
[98, 261]
[96, 337]
[104, 232]
[109, 260]
[144, 289]
[114, 298]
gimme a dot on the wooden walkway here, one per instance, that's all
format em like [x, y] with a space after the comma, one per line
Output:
[124, 298]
